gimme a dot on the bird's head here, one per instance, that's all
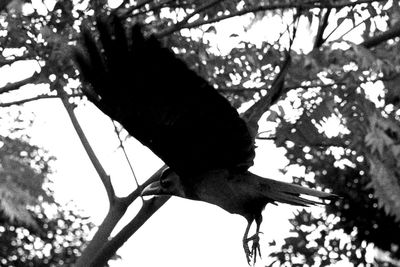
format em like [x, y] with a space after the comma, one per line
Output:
[168, 184]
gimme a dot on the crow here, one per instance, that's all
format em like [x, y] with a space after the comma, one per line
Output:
[170, 109]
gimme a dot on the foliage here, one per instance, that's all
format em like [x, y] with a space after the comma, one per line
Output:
[23, 172]
[34, 231]
[326, 247]
[359, 159]
[335, 83]
[56, 240]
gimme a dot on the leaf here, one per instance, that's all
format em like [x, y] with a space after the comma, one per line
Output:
[396, 151]
[281, 110]
[273, 115]
[366, 59]
[14, 202]
[341, 20]
[211, 29]
[373, 140]
[377, 137]
[324, 109]
[386, 184]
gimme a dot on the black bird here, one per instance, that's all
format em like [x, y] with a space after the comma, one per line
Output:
[184, 121]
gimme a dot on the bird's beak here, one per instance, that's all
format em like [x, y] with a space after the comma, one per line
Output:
[152, 189]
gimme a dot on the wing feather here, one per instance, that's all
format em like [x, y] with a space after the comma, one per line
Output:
[161, 102]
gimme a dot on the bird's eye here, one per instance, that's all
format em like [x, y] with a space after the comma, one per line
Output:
[165, 183]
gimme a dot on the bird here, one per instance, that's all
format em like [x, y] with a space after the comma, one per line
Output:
[182, 119]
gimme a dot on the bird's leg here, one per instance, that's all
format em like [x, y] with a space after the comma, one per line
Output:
[256, 239]
[246, 240]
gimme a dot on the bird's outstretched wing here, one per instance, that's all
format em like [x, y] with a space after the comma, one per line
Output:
[161, 102]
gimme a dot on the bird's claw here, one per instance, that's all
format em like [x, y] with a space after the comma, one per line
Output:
[255, 248]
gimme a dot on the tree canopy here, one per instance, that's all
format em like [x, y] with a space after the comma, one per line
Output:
[35, 230]
[324, 78]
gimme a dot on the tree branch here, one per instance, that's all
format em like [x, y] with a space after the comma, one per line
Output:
[382, 37]
[114, 215]
[321, 144]
[234, 90]
[44, 96]
[110, 248]
[132, 8]
[181, 24]
[311, 4]
[4, 62]
[105, 178]
[121, 144]
[14, 86]
[319, 38]
[100, 244]
[136, 193]
[254, 113]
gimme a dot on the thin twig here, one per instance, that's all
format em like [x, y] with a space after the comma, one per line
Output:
[121, 144]
[151, 9]
[132, 8]
[39, 97]
[319, 38]
[15, 86]
[254, 113]
[181, 24]
[360, 23]
[4, 62]
[245, 11]
[337, 26]
[382, 37]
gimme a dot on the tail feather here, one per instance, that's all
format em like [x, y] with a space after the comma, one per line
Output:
[293, 199]
[291, 193]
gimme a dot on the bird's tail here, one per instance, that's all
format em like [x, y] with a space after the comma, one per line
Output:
[288, 193]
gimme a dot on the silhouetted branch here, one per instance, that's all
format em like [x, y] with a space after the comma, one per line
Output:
[319, 38]
[4, 62]
[253, 114]
[15, 86]
[240, 90]
[105, 178]
[110, 248]
[39, 97]
[114, 215]
[160, 6]
[121, 144]
[136, 193]
[94, 254]
[132, 8]
[181, 24]
[309, 5]
[382, 37]
[309, 142]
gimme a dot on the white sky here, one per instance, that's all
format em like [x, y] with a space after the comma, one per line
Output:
[182, 232]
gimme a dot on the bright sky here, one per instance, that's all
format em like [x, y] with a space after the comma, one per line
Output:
[182, 233]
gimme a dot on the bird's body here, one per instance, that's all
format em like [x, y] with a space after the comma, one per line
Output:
[240, 192]
[227, 190]
[184, 121]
